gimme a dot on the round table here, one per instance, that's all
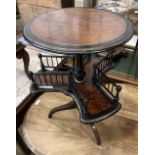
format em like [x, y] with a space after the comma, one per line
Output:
[78, 31]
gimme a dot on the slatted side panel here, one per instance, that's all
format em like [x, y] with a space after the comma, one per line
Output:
[51, 61]
[56, 62]
[104, 63]
[54, 79]
[107, 85]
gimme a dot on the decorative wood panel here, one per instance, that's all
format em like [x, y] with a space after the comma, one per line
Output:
[30, 8]
[29, 11]
[42, 3]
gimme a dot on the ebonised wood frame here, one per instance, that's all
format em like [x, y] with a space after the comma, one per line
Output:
[99, 78]
[56, 62]
[53, 81]
[61, 63]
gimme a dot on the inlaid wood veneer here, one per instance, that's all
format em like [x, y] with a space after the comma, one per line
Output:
[78, 30]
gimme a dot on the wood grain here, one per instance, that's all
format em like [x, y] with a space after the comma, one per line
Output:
[30, 8]
[83, 27]
[65, 135]
[128, 95]
[129, 101]
[97, 102]
[42, 3]
[78, 30]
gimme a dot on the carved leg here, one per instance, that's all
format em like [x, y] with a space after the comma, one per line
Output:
[22, 54]
[96, 134]
[70, 105]
[26, 60]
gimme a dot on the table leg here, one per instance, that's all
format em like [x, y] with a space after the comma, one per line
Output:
[96, 134]
[22, 54]
[68, 106]
[79, 69]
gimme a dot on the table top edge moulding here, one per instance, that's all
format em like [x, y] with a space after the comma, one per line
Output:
[84, 36]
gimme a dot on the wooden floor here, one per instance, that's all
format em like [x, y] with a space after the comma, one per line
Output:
[65, 135]
[129, 101]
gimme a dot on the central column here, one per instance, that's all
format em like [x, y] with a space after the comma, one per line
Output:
[79, 69]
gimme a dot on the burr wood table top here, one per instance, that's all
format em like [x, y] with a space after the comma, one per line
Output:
[78, 30]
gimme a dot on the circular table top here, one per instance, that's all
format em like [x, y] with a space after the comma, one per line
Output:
[78, 30]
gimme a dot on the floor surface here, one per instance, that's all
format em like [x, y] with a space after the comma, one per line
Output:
[46, 136]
